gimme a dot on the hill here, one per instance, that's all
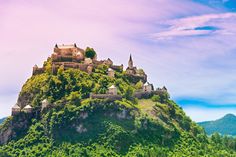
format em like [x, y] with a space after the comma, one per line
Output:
[225, 125]
[74, 111]
[2, 120]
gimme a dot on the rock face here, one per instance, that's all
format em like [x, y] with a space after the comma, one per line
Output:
[24, 99]
[6, 133]
[18, 125]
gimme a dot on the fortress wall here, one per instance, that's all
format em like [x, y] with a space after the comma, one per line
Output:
[105, 96]
[145, 95]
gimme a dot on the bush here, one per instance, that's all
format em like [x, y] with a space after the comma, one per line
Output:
[156, 98]
[90, 53]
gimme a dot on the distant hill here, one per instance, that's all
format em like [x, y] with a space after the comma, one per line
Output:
[1, 120]
[225, 125]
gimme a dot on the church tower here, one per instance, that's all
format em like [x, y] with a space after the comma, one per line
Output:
[130, 63]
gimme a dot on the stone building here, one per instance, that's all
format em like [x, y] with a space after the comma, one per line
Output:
[45, 104]
[37, 70]
[135, 74]
[88, 61]
[27, 109]
[89, 69]
[111, 72]
[147, 87]
[71, 56]
[163, 89]
[67, 53]
[112, 90]
[111, 94]
[15, 110]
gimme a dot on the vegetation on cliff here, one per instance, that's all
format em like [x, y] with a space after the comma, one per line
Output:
[75, 125]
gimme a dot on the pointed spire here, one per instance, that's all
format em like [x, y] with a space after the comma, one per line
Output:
[75, 45]
[56, 46]
[130, 63]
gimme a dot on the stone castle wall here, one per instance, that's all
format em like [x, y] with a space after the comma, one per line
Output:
[105, 96]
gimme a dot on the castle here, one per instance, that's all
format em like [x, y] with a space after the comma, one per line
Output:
[134, 73]
[71, 56]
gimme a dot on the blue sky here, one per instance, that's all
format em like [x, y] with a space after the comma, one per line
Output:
[186, 45]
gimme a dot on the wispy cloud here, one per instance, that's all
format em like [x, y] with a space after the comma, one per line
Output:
[197, 26]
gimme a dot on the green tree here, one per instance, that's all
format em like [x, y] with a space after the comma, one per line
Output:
[139, 85]
[156, 98]
[90, 53]
[129, 93]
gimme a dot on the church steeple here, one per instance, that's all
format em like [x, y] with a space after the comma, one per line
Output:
[130, 63]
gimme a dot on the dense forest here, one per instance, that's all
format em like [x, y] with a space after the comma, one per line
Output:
[76, 125]
[225, 125]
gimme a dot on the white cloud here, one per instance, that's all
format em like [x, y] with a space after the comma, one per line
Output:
[197, 25]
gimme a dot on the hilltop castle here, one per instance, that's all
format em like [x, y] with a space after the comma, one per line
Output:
[71, 56]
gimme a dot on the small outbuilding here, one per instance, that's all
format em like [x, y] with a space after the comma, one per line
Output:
[112, 90]
[45, 103]
[27, 109]
[15, 110]
[88, 61]
[111, 72]
[147, 87]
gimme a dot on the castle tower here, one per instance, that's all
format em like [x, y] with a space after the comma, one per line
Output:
[130, 63]
[111, 72]
[15, 110]
[27, 109]
[112, 90]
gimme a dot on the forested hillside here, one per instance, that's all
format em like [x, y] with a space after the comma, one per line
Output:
[225, 125]
[76, 125]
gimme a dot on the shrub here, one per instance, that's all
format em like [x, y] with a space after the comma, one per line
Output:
[156, 98]
[90, 53]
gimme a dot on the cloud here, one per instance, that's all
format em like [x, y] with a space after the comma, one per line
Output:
[197, 26]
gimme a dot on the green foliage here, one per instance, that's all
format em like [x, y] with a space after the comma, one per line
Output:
[90, 53]
[156, 98]
[79, 126]
[139, 85]
[225, 125]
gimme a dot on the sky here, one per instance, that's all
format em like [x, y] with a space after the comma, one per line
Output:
[186, 45]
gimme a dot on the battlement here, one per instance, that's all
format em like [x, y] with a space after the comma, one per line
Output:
[71, 56]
